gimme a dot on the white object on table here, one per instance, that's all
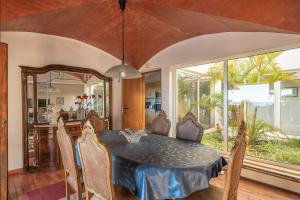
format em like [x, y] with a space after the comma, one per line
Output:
[131, 136]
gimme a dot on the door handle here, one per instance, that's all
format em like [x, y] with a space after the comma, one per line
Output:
[3, 123]
[124, 109]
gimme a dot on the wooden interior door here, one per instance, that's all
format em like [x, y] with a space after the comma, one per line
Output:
[3, 121]
[133, 110]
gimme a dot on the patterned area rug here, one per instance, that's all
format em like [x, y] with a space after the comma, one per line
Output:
[57, 192]
[51, 192]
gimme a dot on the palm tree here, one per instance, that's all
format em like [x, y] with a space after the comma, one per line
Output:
[260, 69]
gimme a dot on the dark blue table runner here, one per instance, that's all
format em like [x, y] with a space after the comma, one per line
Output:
[159, 167]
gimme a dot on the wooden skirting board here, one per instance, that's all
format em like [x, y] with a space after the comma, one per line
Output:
[271, 180]
[15, 171]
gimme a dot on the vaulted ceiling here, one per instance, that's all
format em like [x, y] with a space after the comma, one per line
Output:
[150, 25]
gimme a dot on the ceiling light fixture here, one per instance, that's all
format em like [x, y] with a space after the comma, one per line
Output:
[52, 89]
[123, 71]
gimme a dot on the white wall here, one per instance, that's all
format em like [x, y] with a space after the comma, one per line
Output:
[117, 104]
[290, 111]
[37, 50]
[168, 95]
[68, 91]
[219, 46]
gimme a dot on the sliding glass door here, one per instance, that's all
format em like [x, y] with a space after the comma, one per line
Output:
[261, 89]
[200, 90]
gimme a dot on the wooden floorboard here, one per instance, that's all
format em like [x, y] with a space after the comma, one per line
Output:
[20, 184]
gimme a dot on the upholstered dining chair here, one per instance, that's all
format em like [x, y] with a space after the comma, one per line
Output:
[96, 166]
[88, 125]
[189, 128]
[97, 122]
[161, 124]
[233, 172]
[73, 177]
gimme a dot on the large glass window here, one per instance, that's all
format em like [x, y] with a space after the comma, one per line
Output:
[262, 90]
[200, 90]
[266, 94]
[97, 90]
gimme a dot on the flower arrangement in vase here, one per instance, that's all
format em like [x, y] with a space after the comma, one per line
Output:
[84, 102]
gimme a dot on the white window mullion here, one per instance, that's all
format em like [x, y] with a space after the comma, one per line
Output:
[225, 106]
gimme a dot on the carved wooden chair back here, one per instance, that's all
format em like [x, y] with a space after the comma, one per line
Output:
[67, 152]
[88, 125]
[161, 124]
[235, 165]
[189, 128]
[97, 122]
[96, 166]
[64, 115]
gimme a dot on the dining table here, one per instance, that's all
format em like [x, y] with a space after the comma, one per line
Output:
[160, 167]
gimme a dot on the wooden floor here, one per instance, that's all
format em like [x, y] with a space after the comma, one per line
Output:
[20, 184]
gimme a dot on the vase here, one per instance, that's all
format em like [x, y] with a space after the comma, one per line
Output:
[81, 113]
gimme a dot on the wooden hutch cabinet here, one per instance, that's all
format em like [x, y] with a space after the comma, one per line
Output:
[40, 145]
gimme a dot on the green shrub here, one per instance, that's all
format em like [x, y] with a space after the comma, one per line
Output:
[280, 150]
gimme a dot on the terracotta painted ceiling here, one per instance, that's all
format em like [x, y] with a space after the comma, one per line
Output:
[150, 25]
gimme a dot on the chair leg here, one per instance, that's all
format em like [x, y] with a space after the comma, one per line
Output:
[79, 195]
[79, 190]
[88, 194]
[67, 190]
[67, 186]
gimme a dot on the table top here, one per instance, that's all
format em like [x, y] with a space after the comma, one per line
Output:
[160, 151]
[159, 167]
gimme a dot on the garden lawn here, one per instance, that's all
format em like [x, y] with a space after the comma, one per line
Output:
[284, 150]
